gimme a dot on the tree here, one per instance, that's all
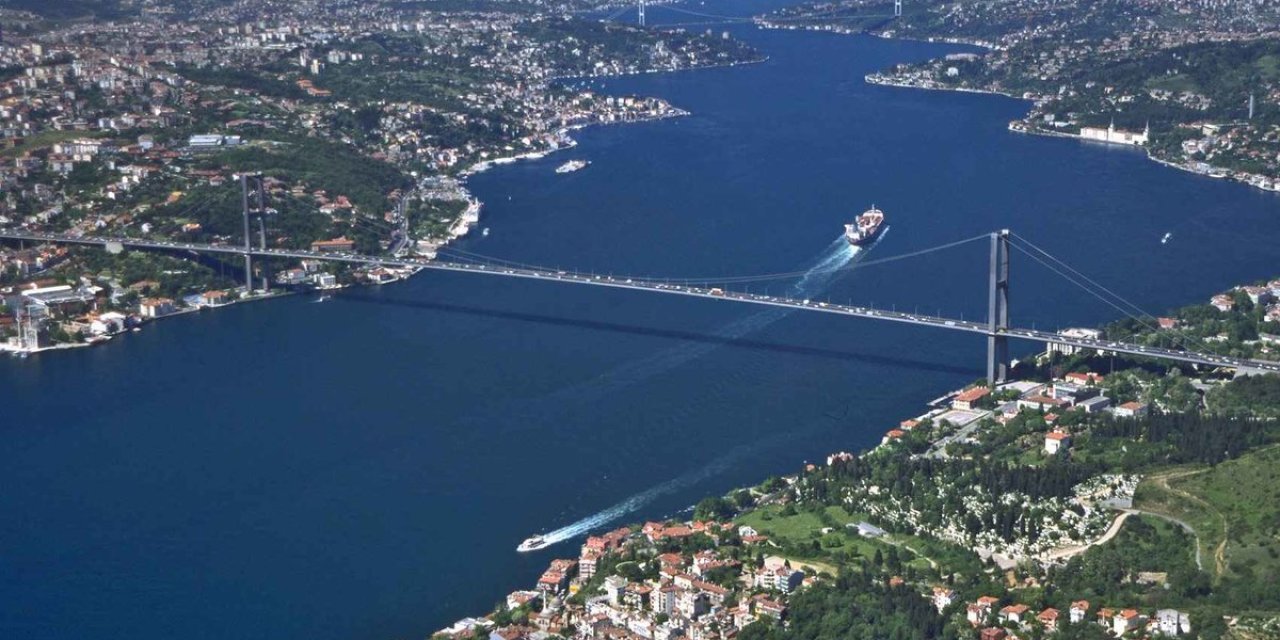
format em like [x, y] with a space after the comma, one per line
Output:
[714, 508]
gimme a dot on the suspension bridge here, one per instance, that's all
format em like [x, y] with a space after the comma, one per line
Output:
[692, 18]
[995, 328]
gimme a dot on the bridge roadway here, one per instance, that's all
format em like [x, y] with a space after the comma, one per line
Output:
[657, 286]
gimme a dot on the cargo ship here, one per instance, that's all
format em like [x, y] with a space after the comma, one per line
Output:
[865, 227]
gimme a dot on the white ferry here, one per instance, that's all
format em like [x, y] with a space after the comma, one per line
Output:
[532, 544]
[571, 166]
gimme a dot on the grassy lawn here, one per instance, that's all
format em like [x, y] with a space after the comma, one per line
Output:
[1157, 493]
[1175, 83]
[1246, 492]
[1233, 507]
[818, 566]
[803, 526]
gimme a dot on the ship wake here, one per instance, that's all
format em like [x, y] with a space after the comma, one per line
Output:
[838, 255]
[639, 500]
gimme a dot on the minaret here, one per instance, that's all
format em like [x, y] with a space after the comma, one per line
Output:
[1250, 106]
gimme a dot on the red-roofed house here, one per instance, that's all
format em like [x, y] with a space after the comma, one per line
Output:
[587, 562]
[1131, 410]
[1056, 441]
[214, 298]
[977, 612]
[968, 399]
[771, 608]
[1078, 611]
[651, 529]
[894, 434]
[1049, 618]
[673, 560]
[1041, 403]
[678, 531]
[993, 633]
[1013, 613]
[1126, 621]
[334, 245]
[1083, 379]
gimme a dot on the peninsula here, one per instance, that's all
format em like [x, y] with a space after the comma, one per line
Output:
[1193, 84]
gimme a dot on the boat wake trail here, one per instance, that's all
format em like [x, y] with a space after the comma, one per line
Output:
[837, 255]
[826, 268]
[635, 502]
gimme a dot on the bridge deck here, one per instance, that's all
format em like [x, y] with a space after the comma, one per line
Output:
[676, 289]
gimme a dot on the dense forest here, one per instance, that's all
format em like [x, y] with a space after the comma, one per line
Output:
[856, 606]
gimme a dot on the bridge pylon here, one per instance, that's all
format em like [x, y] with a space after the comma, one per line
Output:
[998, 310]
[248, 239]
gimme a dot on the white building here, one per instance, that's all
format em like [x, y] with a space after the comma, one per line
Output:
[943, 597]
[1172, 622]
[1078, 611]
[1076, 333]
[1115, 136]
[616, 587]
[1056, 441]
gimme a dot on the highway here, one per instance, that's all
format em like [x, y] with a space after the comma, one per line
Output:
[657, 286]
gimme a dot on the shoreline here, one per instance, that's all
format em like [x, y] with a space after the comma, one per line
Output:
[470, 217]
[98, 340]
[461, 226]
[1207, 171]
[773, 26]
[1256, 181]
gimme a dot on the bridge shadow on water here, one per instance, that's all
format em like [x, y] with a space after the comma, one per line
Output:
[673, 334]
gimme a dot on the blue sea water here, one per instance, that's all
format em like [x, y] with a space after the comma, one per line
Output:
[365, 466]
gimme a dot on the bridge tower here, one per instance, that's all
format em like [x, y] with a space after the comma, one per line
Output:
[248, 239]
[640, 11]
[998, 310]
[261, 211]
[897, 8]
[258, 208]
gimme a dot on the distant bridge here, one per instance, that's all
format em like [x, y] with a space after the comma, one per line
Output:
[996, 328]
